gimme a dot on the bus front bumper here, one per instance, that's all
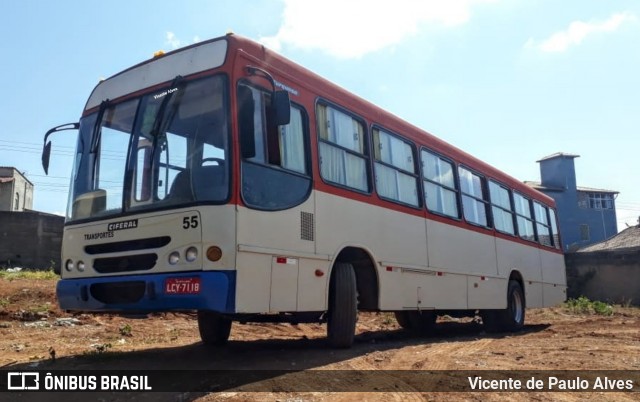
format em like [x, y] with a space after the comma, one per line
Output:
[201, 290]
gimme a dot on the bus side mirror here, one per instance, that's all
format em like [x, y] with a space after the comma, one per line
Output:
[46, 155]
[46, 149]
[281, 108]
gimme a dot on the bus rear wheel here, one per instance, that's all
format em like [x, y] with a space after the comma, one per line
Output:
[423, 322]
[510, 319]
[343, 306]
[419, 322]
[403, 319]
[214, 328]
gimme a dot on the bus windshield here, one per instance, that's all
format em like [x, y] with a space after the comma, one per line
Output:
[164, 149]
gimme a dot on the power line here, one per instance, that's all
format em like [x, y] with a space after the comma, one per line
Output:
[33, 143]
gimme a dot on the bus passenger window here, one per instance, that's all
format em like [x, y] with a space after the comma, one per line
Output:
[343, 158]
[474, 204]
[542, 224]
[395, 170]
[501, 208]
[440, 192]
[523, 217]
[554, 228]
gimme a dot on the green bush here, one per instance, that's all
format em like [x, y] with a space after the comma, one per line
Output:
[601, 308]
[28, 274]
[582, 305]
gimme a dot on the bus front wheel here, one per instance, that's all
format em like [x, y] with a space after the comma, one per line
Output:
[343, 306]
[510, 319]
[214, 328]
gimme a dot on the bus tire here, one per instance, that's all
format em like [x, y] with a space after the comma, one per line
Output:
[422, 322]
[343, 306]
[214, 328]
[403, 319]
[510, 319]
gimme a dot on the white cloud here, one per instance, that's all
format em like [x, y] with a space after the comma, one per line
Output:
[578, 31]
[353, 28]
[173, 41]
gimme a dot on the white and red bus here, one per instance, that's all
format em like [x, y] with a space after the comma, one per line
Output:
[226, 179]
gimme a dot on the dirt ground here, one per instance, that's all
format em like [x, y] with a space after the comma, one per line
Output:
[35, 334]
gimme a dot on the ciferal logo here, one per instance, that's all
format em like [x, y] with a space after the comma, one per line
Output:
[122, 225]
[23, 381]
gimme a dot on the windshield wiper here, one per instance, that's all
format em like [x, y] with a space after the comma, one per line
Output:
[161, 123]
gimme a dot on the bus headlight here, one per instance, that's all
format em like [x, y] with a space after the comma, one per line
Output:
[192, 254]
[80, 266]
[68, 265]
[174, 258]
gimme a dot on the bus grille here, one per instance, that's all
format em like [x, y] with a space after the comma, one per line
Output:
[128, 245]
[125, 263]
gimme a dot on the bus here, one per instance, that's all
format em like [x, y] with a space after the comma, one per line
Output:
[225, 179]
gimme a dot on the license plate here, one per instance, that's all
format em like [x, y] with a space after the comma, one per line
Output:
[182, 286]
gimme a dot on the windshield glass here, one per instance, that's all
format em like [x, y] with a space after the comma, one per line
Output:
[164, 149]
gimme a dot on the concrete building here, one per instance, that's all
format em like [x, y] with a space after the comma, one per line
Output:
[586, 215]
[30, 239]
[607, 271]
[16, 191]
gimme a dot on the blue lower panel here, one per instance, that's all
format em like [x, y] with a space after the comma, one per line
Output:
[146, 293]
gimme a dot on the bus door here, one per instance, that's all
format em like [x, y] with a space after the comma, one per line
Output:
[275, 222]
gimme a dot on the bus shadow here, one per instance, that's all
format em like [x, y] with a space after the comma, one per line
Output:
[260, 361]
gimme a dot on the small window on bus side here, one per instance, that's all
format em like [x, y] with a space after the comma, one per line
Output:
[395, 170]
[440, 190]
[292, 149]
[282, 146]
[343, 158]
[501, 208]
[274, 167]
[554, 228]
[523, 217]
[474, 204]
[542, 224]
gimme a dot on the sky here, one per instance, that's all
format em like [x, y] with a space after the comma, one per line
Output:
[507, 81]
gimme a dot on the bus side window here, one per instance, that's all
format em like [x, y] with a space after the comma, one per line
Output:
[523, 217]
[343, 155]
[501, 208]
[246, 107]
[555, 236]
[474, 202]
[542, 224]
[440, 191]
[395, 170]
[274, 168]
